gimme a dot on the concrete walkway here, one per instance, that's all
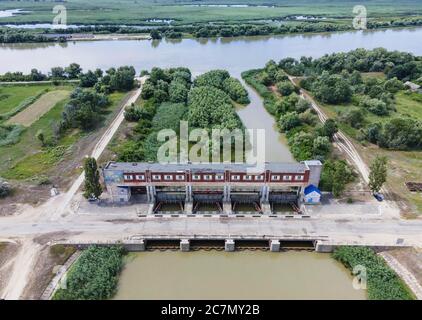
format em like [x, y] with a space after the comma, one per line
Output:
[404, 274]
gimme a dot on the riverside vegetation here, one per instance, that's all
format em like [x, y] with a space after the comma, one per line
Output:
[382, 282]
[364, 94]
[94, 276]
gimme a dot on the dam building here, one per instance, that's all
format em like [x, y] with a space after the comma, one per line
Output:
[223, 184]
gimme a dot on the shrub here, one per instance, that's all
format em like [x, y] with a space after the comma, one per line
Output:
[285, 88]
[10, 134]
[94, 276]
[5, 188]
[382, 282]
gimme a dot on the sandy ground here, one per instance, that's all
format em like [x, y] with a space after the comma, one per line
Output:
[38, 108]
[44, 269]
[411, 259]
[7, 255]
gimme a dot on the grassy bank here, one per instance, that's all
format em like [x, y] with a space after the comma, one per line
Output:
[94, 276]
[382, 282]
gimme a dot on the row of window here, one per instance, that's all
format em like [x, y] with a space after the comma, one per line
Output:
[218, 177]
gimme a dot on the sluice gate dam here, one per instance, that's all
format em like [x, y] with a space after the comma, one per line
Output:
[222, 184]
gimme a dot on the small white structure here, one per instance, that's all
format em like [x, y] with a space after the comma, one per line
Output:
[413, 86]
[54, 192]
[312, 195]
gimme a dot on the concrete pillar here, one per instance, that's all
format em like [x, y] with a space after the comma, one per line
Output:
[229, 245]
[274, 245]
[320, 246]
[266, 207]
[188, 207]
[227, 207]
[189, 193]
[184, 245]
[226, 193]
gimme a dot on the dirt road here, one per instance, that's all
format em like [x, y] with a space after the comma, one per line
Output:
[53, 210]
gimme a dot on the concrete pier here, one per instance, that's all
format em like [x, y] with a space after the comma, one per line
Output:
[229, 245]
[227, 207]
[274, 245]
[184, 245]
[266, 208]
[188, 207]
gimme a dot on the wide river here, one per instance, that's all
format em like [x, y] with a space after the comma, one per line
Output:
[213, 274]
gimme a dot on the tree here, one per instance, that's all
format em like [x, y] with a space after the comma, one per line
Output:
[5, 189]
[57, 73]
[73, 71]
[92, 179]
[155, 34]
[40, 136]
[378, 173]
[285, 88]
[329, 129]
[289, 121]
[88, 79]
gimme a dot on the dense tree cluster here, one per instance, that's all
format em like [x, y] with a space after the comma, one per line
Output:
[337, 79]
[210, 107]
[94, 276]
[397, 133]
[84, 110]
[335, 175]
[8, 35]
[221, 79]
[169, 96]
[71, 72]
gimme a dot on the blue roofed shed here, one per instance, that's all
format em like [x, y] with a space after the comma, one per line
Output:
[312, 194]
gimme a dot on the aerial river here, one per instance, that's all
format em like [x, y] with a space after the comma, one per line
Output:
[247, 274]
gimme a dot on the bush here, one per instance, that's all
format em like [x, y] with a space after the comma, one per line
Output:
[94, 276]
[382, 282]
[335, 175]
[236, 91]
[289, 121]
[285, 88]
[10, 134]
[5, 188]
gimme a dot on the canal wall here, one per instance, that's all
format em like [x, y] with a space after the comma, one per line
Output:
[183, 243]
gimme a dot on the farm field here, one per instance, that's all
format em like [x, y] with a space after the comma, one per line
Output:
[36, 110]
[29, 160]
[11, 96]
[185, 11]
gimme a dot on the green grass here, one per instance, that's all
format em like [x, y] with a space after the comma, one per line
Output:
[135, 12]
[28, 160]
[11, 96]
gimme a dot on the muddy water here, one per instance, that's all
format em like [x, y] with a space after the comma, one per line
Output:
[238, 275]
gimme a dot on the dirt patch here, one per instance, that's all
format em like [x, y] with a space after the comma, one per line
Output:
[33, 195]
[411, 259]
[46, 265]
[7, 254]
[44, 238]
[39, 108]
